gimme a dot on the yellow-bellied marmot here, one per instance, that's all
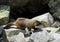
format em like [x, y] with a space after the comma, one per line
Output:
[22, 23]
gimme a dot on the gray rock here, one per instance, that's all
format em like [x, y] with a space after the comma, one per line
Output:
[58, 40]
[57, 13]
[50, 29]
[17, 38]
[54, 5]
[55, 8]
[58, 31]
[55, 36]
[40, 36]
[4, 14]
[56, 24]
[15, 35]
[46, 19]
[3, 37]
[45, 36]
[12, 32]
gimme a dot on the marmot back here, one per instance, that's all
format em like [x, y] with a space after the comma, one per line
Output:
[22, 23]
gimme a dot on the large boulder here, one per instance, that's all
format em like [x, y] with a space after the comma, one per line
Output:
[15, 35]
[3, 37]
[55, 8]
[46, 19]
[54, 5]
[40, 36]
[4, 14]
[57, 14]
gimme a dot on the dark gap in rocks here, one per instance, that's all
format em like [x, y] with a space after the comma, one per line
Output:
[27, 11]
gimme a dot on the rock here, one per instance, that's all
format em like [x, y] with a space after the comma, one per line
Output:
[17, 38]
[54, 5]
[55, 8]
[58, 40]
[40, 36]
[58, 31]
[46, 19]
[57, 14]
[55, 35]
[3, 37]
[12, 32]
[28, 39]
[56, 24]
[45, 36]
[50, 29]
[4, 14]
[15, 35]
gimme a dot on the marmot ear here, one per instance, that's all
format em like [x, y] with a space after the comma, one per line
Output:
[37, 23]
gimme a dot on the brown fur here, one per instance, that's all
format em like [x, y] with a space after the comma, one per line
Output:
[22, 23]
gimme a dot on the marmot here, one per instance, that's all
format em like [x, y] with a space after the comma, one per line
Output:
[22, 23]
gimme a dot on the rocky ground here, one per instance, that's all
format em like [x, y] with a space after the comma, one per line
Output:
[50, 31]
[50, 28]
